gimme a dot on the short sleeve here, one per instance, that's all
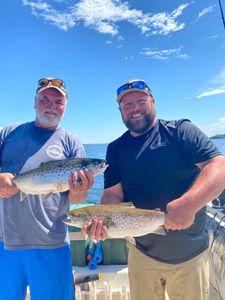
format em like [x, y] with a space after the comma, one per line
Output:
[3, 134]
[80, 151]
[112, 173]
[74, 146]
[196, 146]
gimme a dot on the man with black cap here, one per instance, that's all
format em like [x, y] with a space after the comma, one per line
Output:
[34, 245]
[173, 166]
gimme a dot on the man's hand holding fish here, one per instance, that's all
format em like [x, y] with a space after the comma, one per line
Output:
[7, 187]
[78, 190]
[96, 231]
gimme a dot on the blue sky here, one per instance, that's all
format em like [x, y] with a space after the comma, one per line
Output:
[178, 47]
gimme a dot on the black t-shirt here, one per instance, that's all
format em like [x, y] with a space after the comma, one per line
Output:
[156, 168]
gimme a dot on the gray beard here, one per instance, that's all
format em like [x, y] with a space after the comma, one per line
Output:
[45, 122]
[142, 126]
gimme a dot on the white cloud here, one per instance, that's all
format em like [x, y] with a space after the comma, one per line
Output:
[206, 11]
[164, 23]
[63, 21]
[212, 92]
[218, 83]
[164, 54]
[105, 15]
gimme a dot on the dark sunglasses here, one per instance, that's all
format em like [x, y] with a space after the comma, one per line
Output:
[55, 82]
[141, 85]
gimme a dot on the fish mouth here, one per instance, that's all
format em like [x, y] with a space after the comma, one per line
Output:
[99, 167]
[104, 166]
[68, 221]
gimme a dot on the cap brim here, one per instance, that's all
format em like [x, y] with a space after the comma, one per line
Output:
[120, 96]
[63, 92]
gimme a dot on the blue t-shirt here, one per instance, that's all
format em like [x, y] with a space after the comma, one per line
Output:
[35, 222]
[156, 168]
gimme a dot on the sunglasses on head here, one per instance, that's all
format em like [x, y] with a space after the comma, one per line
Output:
[55, 82]
[139, 84]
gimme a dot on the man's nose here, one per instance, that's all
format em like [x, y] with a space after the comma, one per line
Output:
[51, 104]
[135, 105]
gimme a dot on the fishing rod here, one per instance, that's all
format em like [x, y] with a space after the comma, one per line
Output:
[222, 15]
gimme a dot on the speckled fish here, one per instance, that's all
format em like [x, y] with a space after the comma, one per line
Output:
[52, 177]
[121, 220]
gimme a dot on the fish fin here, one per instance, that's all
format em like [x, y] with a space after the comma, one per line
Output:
[160, 230]
[45, 196]
[50, 163]
[67, 222]
[22, 196]
[44, 163]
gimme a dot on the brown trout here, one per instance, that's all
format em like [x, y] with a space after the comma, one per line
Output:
[121, 220]
[52, 177]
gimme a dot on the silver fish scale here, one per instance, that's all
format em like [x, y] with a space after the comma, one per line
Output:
[52, 176]
[41, 181]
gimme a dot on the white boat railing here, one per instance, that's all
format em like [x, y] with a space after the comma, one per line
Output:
[216, 227]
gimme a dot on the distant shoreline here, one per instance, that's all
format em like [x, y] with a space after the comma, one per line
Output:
[218, 136]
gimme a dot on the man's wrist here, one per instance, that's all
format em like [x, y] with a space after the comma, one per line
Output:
[189, 203]
[78, 195]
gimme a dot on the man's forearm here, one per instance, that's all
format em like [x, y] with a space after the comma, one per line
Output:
[112, 195]
[77, 198]
[209, 184]
[110, 200]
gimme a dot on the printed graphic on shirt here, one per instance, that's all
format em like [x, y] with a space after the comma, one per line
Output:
[155, 146]
[54, 152]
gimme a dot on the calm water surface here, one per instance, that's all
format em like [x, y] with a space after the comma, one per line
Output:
[96, 151]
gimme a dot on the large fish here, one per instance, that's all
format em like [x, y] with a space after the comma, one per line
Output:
[121, 220]
[52, 177]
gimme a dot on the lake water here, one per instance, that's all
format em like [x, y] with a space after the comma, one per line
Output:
[96, 151]
[220, 143]
[99, 151]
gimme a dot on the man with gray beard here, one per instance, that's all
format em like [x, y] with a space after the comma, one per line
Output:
[34, 244]
[173, 166]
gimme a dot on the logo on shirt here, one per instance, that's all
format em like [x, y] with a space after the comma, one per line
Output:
[54, 151]
[155, 146]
